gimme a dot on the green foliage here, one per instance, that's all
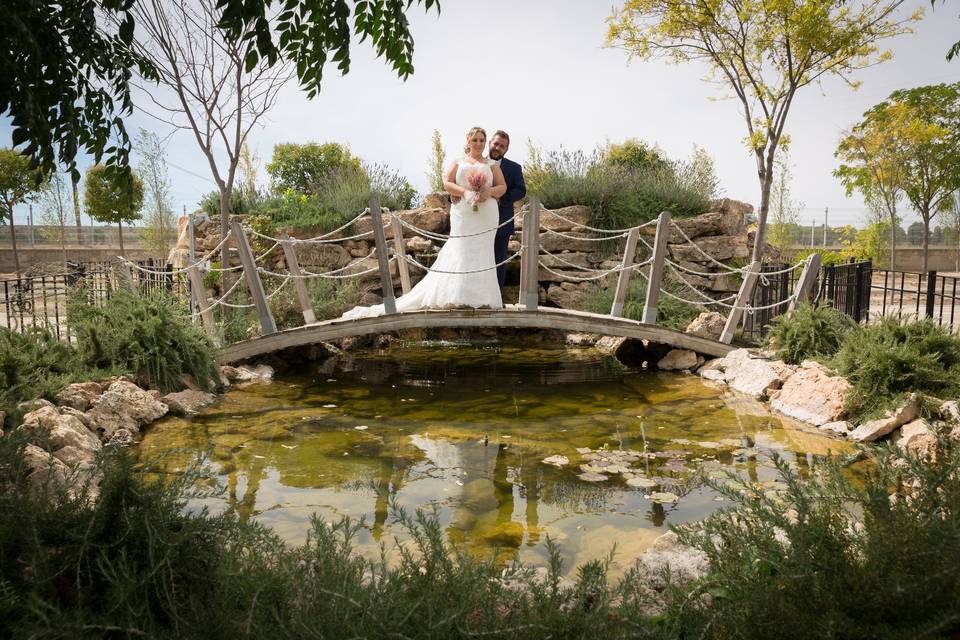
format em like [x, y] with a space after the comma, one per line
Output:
[892, 357]
[636, 156]
[111, 196]
[64, 79]
[150, 337]
[330, 299]
[827, 258]
[670, 312]
[436, 162]
[239, 205]
[17, 181]
[34, 364]
[809, 333]
[306, 168]
[833, 556]
[619, 195]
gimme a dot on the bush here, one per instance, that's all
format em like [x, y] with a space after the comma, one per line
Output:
[892, 357]
[330, 300]
[836, 555]
[810, 332]
[150, 337]
[670, 312]
[622, 189]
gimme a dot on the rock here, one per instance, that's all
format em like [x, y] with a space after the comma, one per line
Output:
[555, 244]
[124, 405]
[75, 456]
[756, 377]
[557, 461]
[683, 563]
[61, 430]
[567, 295]
[550, 219]
[437, 200]
[678, 360]
[734, 214]
[719, 248]
[259, 373]
[506, 534]
[876, 429]
[3, 418]
[416, 244]
[79, 415]
[369, 267]
[79, 395]
[840, 427]
[949, 411]
[121, 438]
[44, 472]
[917, 438]
[314, 257]
[33, 405]
[811, 394]
[582, 339]
[609, 344]
[725, 283]
[708, 324]
[434, 219]
[183, 403]
[712, 370]
[564, 259]
[705, 224]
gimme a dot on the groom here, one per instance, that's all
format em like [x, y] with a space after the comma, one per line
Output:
[516, 190]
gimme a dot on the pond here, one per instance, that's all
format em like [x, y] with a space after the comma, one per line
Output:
[464, 431]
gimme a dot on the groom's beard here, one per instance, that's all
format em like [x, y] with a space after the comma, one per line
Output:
[495, 156]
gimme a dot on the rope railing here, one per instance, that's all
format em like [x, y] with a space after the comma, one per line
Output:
[416, 263]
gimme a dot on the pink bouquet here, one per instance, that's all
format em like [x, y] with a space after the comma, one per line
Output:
[477, 181]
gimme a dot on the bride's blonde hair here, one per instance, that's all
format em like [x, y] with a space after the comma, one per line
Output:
[466, 147]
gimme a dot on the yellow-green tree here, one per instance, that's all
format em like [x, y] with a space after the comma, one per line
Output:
[113, 196]
[17, 182]
[763, 51]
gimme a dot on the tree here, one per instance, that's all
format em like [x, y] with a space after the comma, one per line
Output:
[247, 174]
[306, 168]
[112, 197]
[161, 230]
[873, 153]
[54, 209]
[17, 182]
[764, 51]
[784, 209]
[436, 163]
[915, 234]
[64, 79]
[931, 171]
[951, 234]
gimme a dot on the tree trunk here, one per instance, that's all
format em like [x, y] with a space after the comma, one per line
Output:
[766, 183]
[63, 243]
[893, 240]
[76, 210]
[13, 242]
[120, 231]
[926, 239]
[226, 280]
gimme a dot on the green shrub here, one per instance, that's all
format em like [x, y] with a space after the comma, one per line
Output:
[892, 357]
[330, 299]
[809, 332]
[835, 555]
[620, 192]
[670, 312]
[150, 337]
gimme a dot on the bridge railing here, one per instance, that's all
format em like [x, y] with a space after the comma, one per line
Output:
[534, 259]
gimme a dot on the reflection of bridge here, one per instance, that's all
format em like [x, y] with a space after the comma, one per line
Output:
[534, 259]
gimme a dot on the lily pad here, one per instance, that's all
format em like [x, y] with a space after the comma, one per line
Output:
[557, 461]
[664, 497]
[641, 483]
[593, 477]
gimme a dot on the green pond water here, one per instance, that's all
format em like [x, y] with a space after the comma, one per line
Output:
[464, 430]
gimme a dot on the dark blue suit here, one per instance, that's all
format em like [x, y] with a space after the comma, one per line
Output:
[516, 190]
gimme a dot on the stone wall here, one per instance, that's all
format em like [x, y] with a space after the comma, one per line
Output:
[720, 233]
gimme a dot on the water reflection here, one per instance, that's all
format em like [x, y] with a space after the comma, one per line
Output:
[464, 431]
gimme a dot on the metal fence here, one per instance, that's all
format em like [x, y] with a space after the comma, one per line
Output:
[847, 287]
[913, 295]
[41, 300]
[771, 289]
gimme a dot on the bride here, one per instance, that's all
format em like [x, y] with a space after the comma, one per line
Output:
[464, 273]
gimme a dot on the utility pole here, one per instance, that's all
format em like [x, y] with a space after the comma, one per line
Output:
[33, 239]
[826, 212]
[813, 226]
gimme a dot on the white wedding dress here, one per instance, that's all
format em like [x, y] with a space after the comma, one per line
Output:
[464, 273]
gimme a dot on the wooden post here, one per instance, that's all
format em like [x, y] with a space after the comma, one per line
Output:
[380, 239]
[267, 325]
[198, 295]
[524, 241]
[623, 278]
[743, 297]
[293, 266]
[805, 284]
[401, 253]
[125, 275]
[530, 257]
[656, 269]
[191, 239]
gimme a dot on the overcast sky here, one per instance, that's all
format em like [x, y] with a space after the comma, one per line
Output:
[538, 69]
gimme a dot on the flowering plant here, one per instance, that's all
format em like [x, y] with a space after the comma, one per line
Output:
[477, 181]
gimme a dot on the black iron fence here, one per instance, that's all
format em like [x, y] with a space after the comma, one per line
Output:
[41, 300]
[908, 294]
[847, 287]
[771, 296]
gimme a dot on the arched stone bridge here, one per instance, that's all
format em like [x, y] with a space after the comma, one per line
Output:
[514, 317]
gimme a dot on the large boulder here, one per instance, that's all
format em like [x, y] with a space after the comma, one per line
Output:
[705, 224]
[667, 557]
[917, 437]
[433, 219]
[708, 324]
[744, 372]
[44, 472]
[565, 259]
[79, 395]
[188, 402]
[55, 431]
[259, 373]
[321, 256]
[678, 360]
[876, 429]
[570, 241]
[811, 394]
[567, 295]
[124, 405]
[719, 248]
[562, 219]
[734, 215]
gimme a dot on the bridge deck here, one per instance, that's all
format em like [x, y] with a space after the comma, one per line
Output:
[510, 317]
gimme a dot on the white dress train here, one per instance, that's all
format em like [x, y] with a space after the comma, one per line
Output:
[464, 273]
